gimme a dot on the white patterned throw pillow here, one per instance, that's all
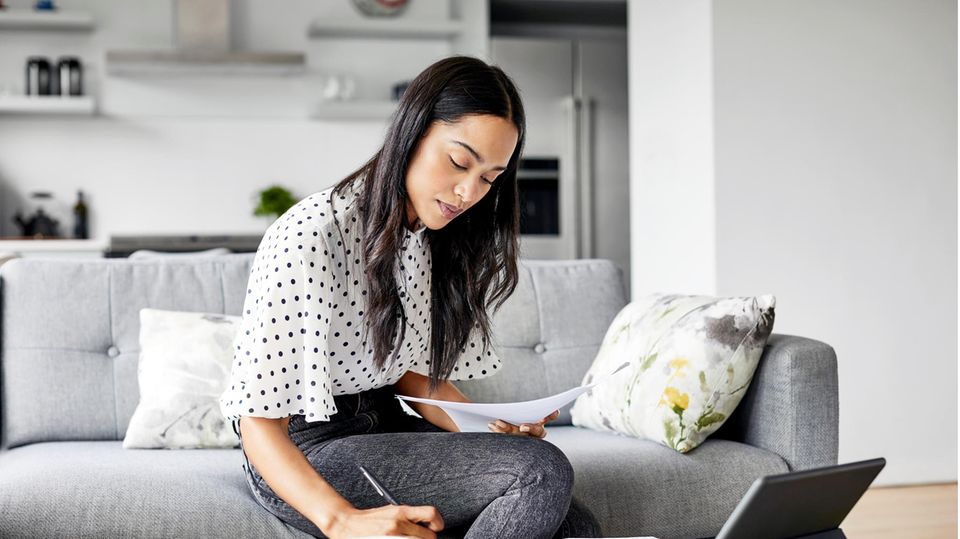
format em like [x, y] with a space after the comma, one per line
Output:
[691, 361]
[185, 360]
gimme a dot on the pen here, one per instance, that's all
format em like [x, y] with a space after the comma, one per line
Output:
[376, 484]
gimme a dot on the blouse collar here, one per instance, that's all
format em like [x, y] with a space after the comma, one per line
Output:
[417, 232]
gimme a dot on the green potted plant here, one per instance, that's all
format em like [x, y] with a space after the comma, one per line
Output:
[273, 202]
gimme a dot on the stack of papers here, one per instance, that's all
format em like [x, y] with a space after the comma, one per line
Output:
[474, 416]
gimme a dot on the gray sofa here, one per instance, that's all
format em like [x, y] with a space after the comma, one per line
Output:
[68, 387]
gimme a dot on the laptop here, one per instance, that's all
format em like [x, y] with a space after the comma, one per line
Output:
[807, 503]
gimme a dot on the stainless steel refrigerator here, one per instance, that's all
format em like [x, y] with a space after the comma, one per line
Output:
[574, 92]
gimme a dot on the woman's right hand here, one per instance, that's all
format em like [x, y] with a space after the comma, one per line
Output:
[391, 519]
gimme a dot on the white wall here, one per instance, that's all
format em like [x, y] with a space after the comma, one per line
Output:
[672, 244]
[836, 141]
[171, 175]
[836, 190]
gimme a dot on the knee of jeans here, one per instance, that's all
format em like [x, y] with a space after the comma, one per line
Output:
[549, 462]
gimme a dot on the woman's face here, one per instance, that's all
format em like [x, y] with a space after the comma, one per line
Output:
[480, 144]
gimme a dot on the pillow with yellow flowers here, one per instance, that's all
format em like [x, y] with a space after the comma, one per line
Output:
[691, 361]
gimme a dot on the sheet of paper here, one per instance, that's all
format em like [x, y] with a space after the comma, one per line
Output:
[474, 416]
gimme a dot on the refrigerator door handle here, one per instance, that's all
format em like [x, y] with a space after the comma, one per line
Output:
[585, 177]
[569, 192]
[580, 174]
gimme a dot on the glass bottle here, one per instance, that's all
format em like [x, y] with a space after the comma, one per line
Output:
[80, 224]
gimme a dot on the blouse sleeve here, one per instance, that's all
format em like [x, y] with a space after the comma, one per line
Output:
[281, 367]
[474, 362]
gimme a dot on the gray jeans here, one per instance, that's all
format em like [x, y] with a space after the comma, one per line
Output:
[484, 484]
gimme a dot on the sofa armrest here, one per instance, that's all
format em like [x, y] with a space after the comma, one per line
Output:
[792, 405]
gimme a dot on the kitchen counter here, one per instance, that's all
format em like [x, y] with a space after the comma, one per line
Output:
[123, 245]
[20, 245]
[65, 248]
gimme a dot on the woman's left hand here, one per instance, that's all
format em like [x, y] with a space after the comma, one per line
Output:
[537, 430]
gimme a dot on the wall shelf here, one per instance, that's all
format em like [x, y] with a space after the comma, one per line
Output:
[173, 63]
[388, 28]
[354, 110]
[28, 19]
[48, 104]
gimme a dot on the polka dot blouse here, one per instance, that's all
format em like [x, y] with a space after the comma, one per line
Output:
[300, 341]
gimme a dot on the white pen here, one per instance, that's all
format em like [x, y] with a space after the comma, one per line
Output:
[376, 484]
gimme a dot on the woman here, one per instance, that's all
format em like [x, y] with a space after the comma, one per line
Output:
[380, 285]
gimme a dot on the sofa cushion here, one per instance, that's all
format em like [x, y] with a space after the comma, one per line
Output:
[550, 330]
[71, 337]
[690, 360]
[630, 485]
[184, 359]
[98, 489]
[71, 334]
[641, 487]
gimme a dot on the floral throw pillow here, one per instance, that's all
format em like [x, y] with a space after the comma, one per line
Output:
[691, 361]
[184, 364]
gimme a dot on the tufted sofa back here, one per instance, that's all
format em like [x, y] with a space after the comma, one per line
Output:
[70, 334]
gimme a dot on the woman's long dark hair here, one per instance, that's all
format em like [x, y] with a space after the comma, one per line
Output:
[474, 257]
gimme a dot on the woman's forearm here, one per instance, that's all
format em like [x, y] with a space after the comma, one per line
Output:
[416, 385]
[288, 472]
[435, 414]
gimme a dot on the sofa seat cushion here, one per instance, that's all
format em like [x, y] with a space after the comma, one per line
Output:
[641, 487]
[98, 489]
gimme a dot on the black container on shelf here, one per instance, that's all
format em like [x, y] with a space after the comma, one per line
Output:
[38, 76]
[68, 79]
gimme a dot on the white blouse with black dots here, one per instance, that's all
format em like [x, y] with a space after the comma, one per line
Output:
[300, 340]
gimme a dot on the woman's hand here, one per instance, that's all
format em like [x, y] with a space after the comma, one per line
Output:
[386, 520]
[536, 430]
